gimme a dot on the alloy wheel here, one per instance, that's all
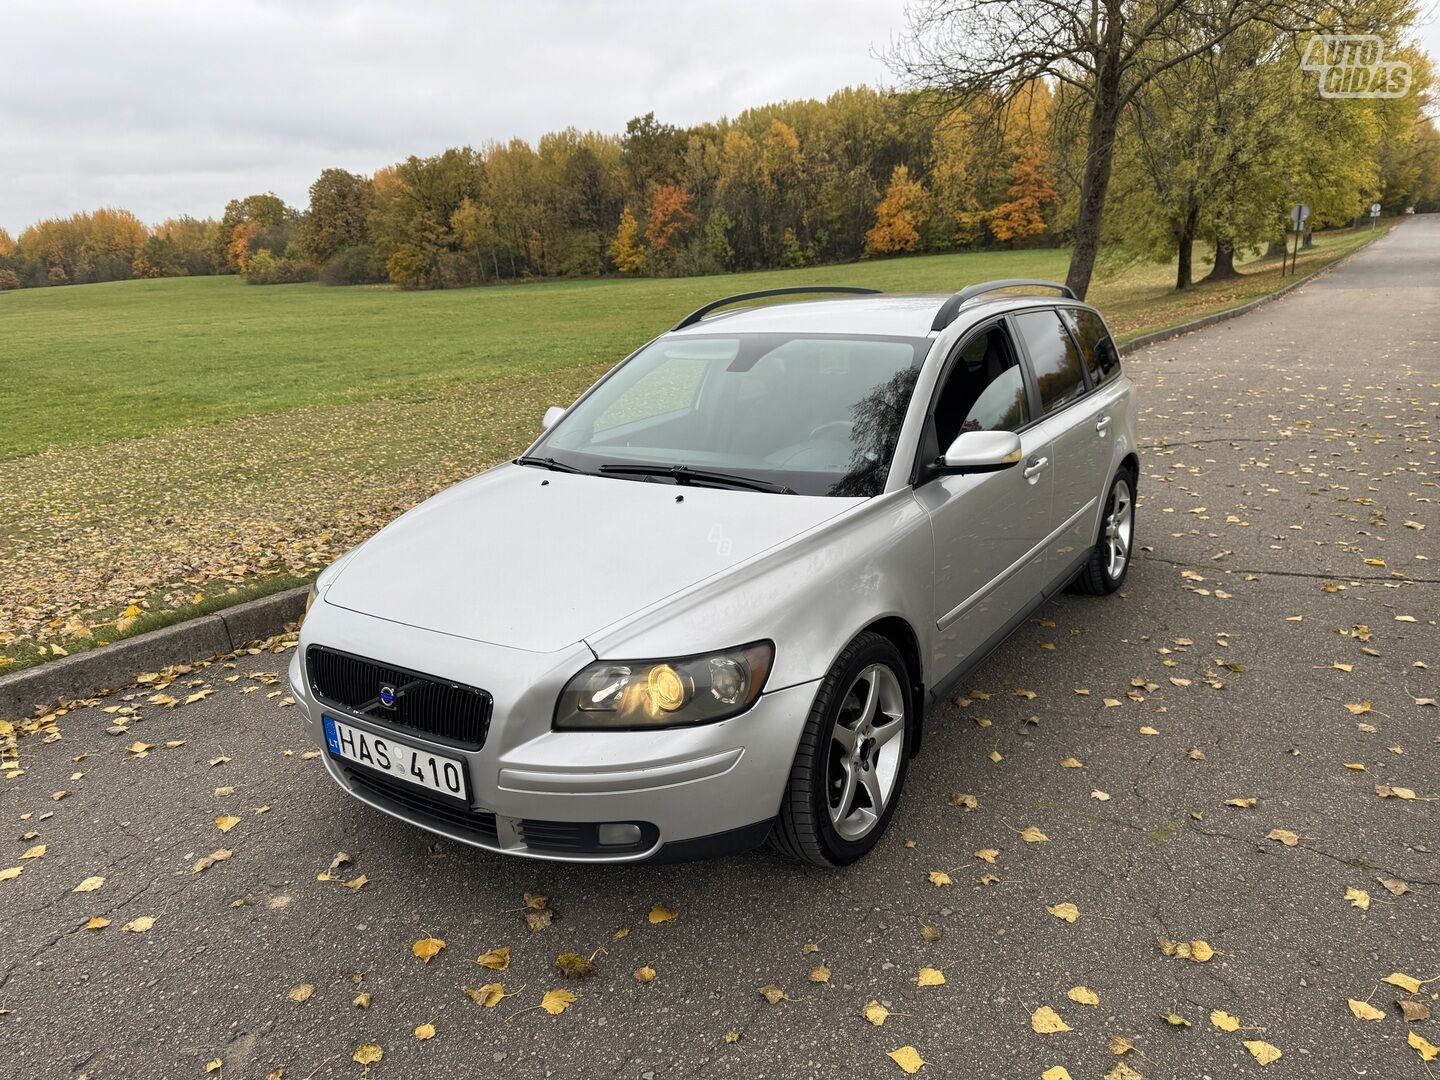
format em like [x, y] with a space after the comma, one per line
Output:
[865, 752]
[1119, 528]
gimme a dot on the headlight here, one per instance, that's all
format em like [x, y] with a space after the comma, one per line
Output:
[665, 693]
[309, 601]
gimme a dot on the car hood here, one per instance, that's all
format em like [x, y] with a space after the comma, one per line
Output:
[538, 560]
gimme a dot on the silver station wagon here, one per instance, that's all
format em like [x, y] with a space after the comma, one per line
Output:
[710, 606]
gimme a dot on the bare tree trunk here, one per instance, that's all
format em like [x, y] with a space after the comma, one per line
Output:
[1224, 268]
[1309, 239]
[1276, 251]
[1104, 119]
[1186, 243]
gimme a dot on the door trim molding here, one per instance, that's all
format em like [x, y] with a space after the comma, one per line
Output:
[948, 619]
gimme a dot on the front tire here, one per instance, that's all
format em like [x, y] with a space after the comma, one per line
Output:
[1110, 560]
[853, 756]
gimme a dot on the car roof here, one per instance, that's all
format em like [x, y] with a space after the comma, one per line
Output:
[907, 315]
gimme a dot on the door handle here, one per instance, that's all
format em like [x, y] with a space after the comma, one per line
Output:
[1034, 466]
[1102, 424]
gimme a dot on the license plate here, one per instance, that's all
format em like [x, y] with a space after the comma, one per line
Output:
[434, 772]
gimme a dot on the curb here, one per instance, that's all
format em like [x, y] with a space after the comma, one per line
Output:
[102, 670]
[96, 671]
[1156, 336]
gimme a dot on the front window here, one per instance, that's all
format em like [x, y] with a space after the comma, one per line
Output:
[814, 414]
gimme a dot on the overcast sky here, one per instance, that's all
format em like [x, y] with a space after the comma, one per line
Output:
[175, 106]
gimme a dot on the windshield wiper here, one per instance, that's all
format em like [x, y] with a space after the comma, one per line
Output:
[547, 463]
[683, 474]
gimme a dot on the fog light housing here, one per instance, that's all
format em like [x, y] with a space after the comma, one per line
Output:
[618, 834]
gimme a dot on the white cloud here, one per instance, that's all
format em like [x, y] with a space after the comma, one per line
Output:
[169, 107]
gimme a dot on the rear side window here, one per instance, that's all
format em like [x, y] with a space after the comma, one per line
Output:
[1102, 359]
[1054, 356]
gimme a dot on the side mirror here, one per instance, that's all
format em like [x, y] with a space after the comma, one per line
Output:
[981, 451]
[552, 417]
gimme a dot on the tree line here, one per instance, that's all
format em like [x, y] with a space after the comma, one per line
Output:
[1206, 134]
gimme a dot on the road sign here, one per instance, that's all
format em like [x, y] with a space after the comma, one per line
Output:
[1375, 209]
[1299, 214]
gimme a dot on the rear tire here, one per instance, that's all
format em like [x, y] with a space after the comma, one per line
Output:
[1109, 562]
[850, 768]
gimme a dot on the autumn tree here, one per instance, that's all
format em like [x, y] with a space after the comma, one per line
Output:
[339, 210]
[625, 250]
[668, 220]
[899, 217]
[1030, 193]
[960, 50]
[7, 245]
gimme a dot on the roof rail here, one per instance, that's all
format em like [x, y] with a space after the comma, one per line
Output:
[948, 310]
[699, 313]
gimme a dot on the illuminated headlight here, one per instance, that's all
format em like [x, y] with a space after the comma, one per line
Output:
[665, 693]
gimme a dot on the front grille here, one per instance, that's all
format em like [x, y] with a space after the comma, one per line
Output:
[426, 808]
[418, 804]
[436, 707]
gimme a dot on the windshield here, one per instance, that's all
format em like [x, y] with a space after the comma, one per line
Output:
[818, 415]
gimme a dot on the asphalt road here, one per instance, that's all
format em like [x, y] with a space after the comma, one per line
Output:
[1284, 451]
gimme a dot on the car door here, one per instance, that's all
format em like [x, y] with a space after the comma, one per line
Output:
[988, 528]
[1076, 433]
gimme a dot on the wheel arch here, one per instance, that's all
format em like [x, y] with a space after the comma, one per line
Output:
[901, 634]
[1131, 463]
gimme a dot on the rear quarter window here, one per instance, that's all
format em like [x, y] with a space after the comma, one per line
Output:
[1102, 358]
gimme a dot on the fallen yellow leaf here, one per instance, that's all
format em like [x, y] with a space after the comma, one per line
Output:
[930, 977]
[1358, 898]
[226, 822]
[1083, 995]
[140, 925]
[488, 996]
[367, 1054]
[1263, 1052]
[773, 994]
[1055, 1072]
[1224, 1021]
[988, 855]
[908, 1058]
[90, 884]
[646, 974]
[495, 959]
[1032, 835]
[556, 1002]
[876, 1013]
[1363, 1010]
[35, 852]
[1427, 1050]
[1046, 1021]
[939, 877]
[1408, 983]
[426, 949]
[662, 914]
[1175, 1020]
[820, 974]
[425, 1031]
[302, 992]
[1285, 836]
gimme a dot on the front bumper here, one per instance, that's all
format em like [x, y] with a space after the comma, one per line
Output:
[695, 792]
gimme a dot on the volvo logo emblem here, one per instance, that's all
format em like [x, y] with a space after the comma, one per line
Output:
[388, 696]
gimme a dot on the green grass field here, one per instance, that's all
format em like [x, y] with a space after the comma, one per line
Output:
[174, 446]
[98, 363]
